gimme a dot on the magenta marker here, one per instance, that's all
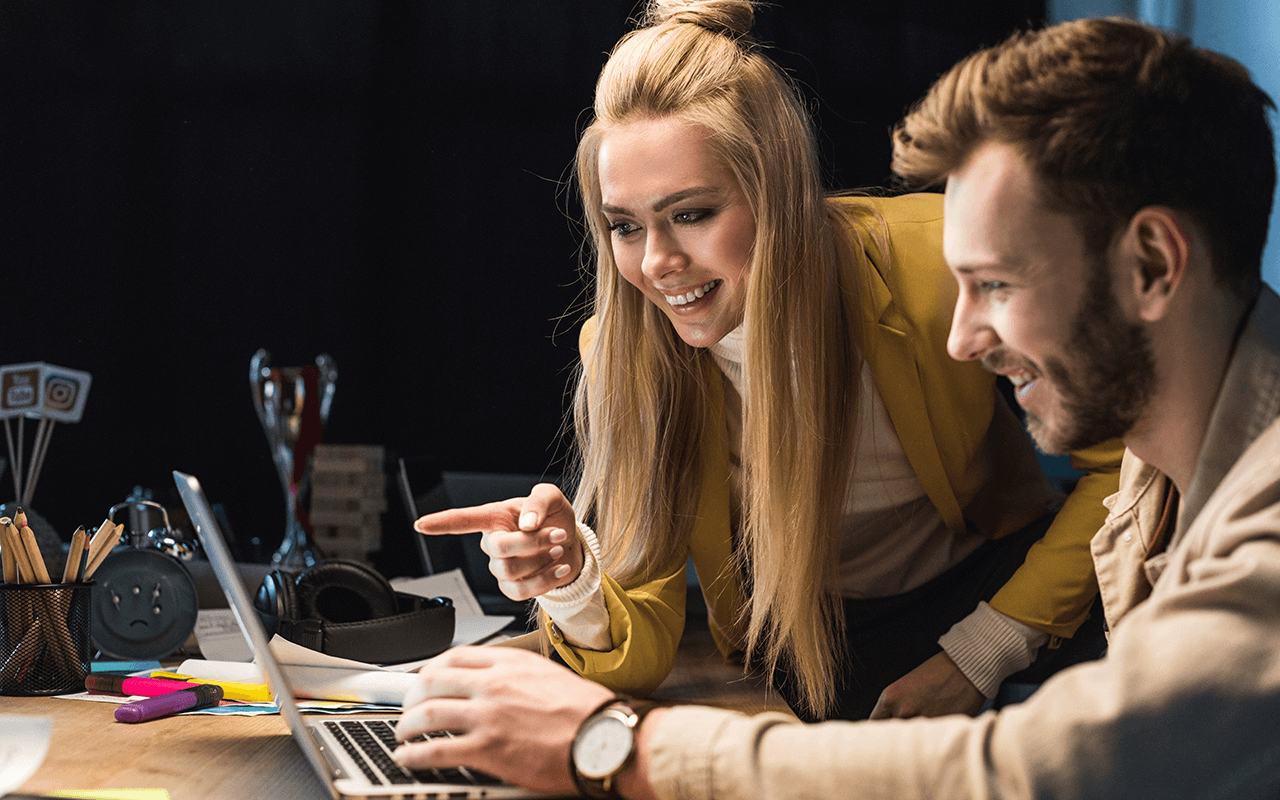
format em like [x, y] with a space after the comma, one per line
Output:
[144, 687]
[162, 705]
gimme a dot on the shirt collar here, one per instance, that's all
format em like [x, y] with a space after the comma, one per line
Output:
[1248, 402]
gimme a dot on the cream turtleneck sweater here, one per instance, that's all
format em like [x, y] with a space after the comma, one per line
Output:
[891, 540]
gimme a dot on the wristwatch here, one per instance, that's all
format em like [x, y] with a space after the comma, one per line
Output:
[605, 745]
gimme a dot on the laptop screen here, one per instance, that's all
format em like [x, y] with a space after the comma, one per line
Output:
[219, 555]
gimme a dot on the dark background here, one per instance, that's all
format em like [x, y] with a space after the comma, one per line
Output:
[183, 183]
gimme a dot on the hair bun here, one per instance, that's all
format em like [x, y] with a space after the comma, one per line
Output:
[732, 18]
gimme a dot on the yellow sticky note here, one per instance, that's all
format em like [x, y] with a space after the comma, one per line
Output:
[112, 794]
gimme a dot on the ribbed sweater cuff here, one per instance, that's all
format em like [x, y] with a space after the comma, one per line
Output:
[988, 647]
[573, 596]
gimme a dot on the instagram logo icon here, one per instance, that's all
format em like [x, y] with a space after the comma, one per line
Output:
[60, 393]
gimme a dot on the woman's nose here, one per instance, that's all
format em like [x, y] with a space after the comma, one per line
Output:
[662, 256]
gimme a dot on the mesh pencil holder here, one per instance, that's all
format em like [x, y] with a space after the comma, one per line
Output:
[44, 638]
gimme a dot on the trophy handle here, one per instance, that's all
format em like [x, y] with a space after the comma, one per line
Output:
[326, 383]
[260, 368]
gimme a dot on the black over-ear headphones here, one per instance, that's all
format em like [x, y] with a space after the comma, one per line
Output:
[345, 609]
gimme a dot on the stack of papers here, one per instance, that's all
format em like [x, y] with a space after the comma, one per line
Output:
[314, 675]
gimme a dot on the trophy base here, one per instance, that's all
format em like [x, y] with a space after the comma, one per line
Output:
[297, 551]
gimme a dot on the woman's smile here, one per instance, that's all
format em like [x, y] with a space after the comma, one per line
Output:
[681, 230]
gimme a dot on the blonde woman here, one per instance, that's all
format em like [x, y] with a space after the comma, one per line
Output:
[766, 390]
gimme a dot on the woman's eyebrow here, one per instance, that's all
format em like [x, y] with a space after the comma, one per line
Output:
[666, 201]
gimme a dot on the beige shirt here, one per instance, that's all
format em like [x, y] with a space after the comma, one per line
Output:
[1186, 703]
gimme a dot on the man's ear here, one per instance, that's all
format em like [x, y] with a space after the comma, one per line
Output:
[1155, 251]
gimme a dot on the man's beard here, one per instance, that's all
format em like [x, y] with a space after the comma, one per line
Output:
[1111, 376]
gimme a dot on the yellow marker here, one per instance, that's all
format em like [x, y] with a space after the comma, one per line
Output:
[247, 692]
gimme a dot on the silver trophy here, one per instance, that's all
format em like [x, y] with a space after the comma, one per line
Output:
[293, 406]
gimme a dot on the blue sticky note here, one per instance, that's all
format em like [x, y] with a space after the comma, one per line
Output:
[124, 667]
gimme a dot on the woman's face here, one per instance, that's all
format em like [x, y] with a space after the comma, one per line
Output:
[680, 227]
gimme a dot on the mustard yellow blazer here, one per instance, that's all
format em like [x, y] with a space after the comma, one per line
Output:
[970, 453]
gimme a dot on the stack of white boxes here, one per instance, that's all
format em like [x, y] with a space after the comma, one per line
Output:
[347, 499]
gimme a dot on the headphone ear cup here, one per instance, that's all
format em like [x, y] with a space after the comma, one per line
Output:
[277, 595]
[344, 591]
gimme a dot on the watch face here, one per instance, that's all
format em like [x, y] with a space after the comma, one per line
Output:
[603, 747]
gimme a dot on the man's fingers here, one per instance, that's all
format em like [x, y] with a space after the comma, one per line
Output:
[441, 681]
[439, 714]
[517, 712]
[442, 753]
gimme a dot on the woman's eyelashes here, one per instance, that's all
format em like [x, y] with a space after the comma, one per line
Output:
[692, 216]
[625, 228]
[622, 228]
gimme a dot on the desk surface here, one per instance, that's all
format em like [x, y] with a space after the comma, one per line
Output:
[191, 756]
[254, 757]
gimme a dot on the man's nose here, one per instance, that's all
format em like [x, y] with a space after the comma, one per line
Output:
[971, 335]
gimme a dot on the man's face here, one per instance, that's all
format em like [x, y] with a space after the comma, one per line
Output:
[1036, 307]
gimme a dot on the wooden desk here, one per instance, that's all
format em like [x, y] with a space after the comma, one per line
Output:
[244, 758]
[238, 758]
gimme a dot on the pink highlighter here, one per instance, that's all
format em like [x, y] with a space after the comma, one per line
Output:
[142, 687]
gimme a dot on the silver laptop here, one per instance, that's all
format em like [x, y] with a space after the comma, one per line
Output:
[352, 756]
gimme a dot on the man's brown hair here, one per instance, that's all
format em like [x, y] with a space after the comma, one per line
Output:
[1112, 116]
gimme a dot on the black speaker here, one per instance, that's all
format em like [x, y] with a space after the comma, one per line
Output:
[348, 610]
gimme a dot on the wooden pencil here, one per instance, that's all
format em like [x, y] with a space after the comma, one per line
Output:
[7, 554]
[20, 525]
[75, 554]
[108, 536]
[33, 553]
[26, 571]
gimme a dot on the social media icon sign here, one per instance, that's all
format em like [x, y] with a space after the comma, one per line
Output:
[64, 393]
[21, 389]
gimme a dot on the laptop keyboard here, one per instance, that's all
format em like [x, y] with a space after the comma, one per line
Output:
[370, 742]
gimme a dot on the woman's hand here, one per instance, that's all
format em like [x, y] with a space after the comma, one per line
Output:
[934, 689]
[532, 542]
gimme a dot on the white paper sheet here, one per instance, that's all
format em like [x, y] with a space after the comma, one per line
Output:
[316, 675]
[313, 675]
[220, 637]
[470, 623]
[449, 584]
[24, 741]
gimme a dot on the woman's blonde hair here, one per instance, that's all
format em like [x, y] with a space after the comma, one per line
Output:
[641, 397]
